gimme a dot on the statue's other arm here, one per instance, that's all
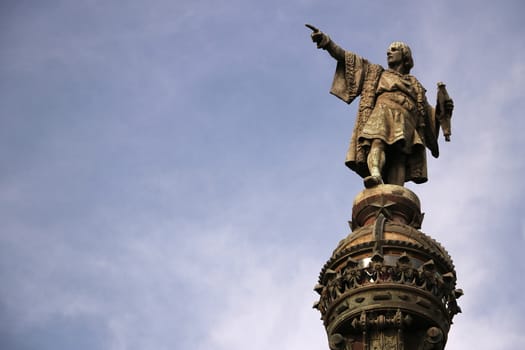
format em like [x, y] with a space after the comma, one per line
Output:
[324, 42]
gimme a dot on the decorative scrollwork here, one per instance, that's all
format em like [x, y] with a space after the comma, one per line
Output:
[352, 276]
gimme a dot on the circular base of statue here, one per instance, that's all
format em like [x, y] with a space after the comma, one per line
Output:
[396, 203]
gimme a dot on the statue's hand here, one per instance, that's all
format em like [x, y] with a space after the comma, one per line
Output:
[318, 37]
[321, 39]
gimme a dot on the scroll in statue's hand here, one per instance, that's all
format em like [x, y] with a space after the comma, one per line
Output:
[449, 106]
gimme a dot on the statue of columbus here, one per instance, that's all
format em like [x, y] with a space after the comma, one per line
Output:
[395, 123]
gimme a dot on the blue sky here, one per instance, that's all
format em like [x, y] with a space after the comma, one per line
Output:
[173, 178]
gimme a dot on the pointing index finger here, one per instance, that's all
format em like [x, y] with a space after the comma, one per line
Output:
[314, 29]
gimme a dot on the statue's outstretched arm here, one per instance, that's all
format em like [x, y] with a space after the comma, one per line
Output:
[324, 42]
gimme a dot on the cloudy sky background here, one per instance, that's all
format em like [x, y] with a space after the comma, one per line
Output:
[172, 172]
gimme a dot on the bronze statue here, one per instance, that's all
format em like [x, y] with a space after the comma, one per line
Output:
[395, 122]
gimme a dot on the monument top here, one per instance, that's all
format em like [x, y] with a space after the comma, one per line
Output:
[395, 123]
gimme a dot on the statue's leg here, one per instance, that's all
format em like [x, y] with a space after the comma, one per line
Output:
[376, 162]
[397, 168]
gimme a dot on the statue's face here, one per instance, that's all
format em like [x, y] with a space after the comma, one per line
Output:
[394, 55]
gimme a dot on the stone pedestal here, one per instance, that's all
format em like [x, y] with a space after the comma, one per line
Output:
[387, 285]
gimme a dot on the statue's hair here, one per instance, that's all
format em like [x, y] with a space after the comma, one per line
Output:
[407, 53]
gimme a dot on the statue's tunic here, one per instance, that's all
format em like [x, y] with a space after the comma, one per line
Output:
[393, 108]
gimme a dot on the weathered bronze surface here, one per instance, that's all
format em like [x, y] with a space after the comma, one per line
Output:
[443, 114]
[387, 285]
[395, 123]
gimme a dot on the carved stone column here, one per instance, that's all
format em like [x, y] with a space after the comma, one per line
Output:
[387, 285]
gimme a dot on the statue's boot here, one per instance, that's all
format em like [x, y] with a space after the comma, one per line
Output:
[372, 181]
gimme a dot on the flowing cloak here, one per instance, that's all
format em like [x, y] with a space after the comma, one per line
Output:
[392, 108]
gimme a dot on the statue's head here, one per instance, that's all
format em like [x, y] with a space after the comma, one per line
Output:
[406, 54]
